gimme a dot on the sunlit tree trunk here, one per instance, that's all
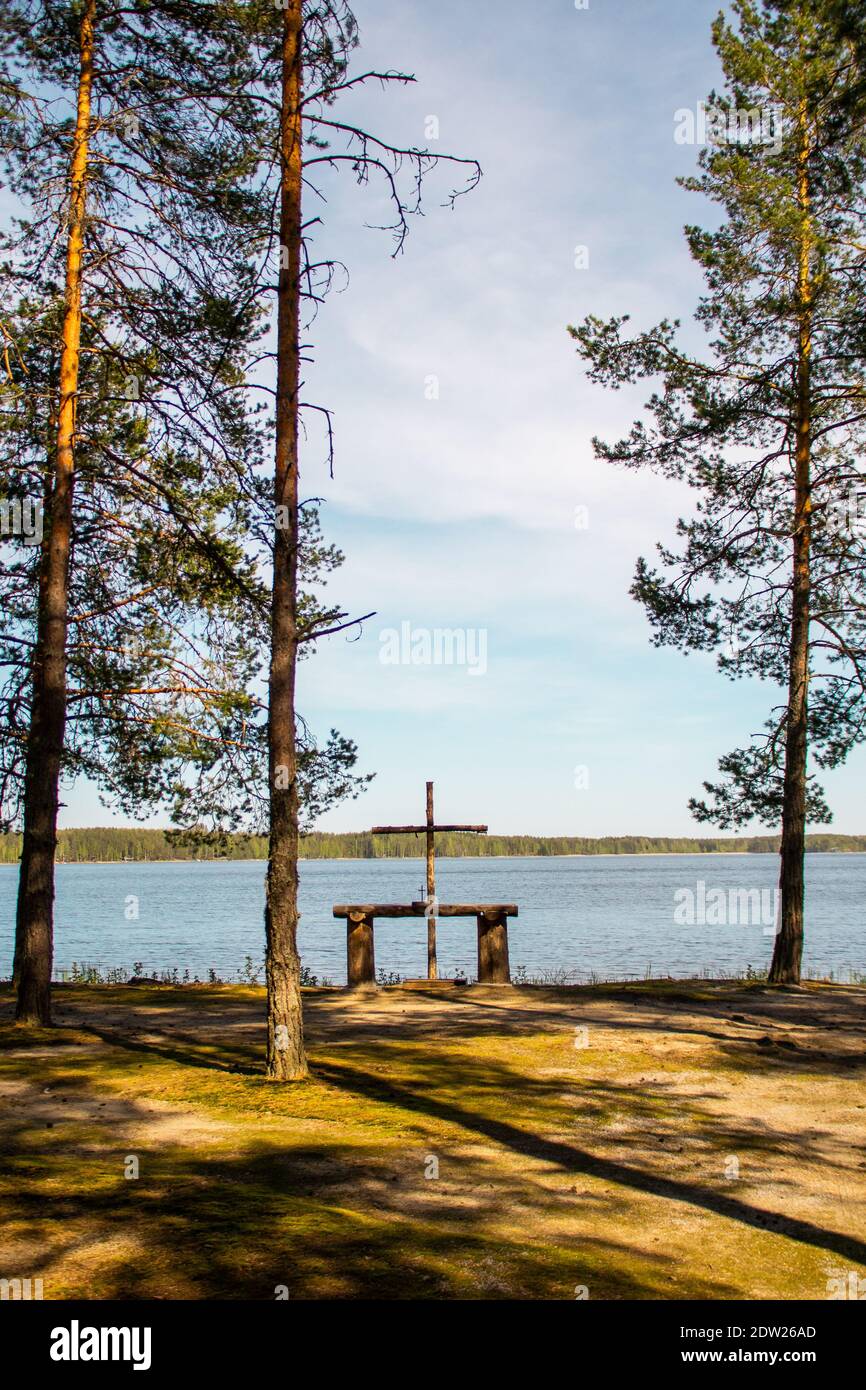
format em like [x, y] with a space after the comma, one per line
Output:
[286, 1059]
[788, 950]
[34, 947]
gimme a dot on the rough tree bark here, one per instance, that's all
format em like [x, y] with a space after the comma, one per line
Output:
[34, 937]
[286, 1058]
[788, 948]
[432, 964]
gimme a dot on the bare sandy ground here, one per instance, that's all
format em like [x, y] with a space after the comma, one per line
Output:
[667, 1140]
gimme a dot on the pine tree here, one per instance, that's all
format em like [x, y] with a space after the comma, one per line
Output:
[126, 411]
[298, 56]
[768, 427]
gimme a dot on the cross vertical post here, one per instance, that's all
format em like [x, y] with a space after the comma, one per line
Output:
[432, 967]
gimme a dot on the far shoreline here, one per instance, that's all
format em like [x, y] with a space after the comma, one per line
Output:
[455, 858]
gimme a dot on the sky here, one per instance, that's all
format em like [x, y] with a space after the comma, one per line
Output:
[465, 495]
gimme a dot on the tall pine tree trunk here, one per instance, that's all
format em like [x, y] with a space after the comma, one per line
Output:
[788, 949]
[42, 580]
[286, 1059]
[34, 935]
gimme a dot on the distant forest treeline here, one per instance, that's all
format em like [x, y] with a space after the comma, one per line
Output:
[103, 845]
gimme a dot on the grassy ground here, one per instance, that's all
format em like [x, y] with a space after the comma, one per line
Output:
[641, 1141]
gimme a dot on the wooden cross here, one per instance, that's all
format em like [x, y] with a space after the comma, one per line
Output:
[429, 830]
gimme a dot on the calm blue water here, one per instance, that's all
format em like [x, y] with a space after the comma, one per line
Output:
[611, 916]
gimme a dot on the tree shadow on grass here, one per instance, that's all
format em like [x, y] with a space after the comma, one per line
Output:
[323, 1221]
[691, 1013]
[575, 1160]
[327, 1220]
[213, 1023]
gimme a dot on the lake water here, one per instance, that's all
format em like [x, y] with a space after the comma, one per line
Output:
[609, 916]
